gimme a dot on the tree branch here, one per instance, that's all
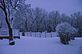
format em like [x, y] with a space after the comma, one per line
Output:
[1, 7]
[11, 3]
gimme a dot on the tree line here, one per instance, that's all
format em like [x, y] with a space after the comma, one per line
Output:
[28, 19]
[40, 20]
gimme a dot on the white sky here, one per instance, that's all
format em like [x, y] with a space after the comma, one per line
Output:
[63, 6]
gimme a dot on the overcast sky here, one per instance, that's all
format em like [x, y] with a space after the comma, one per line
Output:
[63, 6]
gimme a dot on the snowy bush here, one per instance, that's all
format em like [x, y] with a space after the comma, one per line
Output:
[66, 32]
[65, 28]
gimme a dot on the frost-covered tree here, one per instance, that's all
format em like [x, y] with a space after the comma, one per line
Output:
[76, 19]
[9, 7]
[31, 19]
[66, 31]
[39, 17]
[5, 5]
[65, 18]
[21, 17]
[65, 28]
[54, 19]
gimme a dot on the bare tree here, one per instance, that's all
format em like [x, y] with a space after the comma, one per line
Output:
[6, 6]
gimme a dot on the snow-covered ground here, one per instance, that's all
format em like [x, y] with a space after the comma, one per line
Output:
[36, 45]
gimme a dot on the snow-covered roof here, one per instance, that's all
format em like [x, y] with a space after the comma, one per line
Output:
[4, 31]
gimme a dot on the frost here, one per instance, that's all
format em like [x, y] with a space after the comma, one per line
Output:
[65, 28]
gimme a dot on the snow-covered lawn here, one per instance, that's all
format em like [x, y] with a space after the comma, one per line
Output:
[33, 45]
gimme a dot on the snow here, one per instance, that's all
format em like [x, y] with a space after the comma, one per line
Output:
[66, 28]
[37, 45]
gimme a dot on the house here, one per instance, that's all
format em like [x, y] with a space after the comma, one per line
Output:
[4, 32]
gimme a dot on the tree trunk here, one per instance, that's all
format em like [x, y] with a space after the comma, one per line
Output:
[11, 42]
[3, 7]
[9, 26]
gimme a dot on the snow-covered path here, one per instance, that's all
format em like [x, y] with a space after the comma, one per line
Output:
[32, 45]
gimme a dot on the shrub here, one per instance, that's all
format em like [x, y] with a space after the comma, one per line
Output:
[66, 31]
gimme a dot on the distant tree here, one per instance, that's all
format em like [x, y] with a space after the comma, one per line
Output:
[21, 17]
[76, 22]
[65, 18]
[54, 19]
[31, 19]
[39, 16]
